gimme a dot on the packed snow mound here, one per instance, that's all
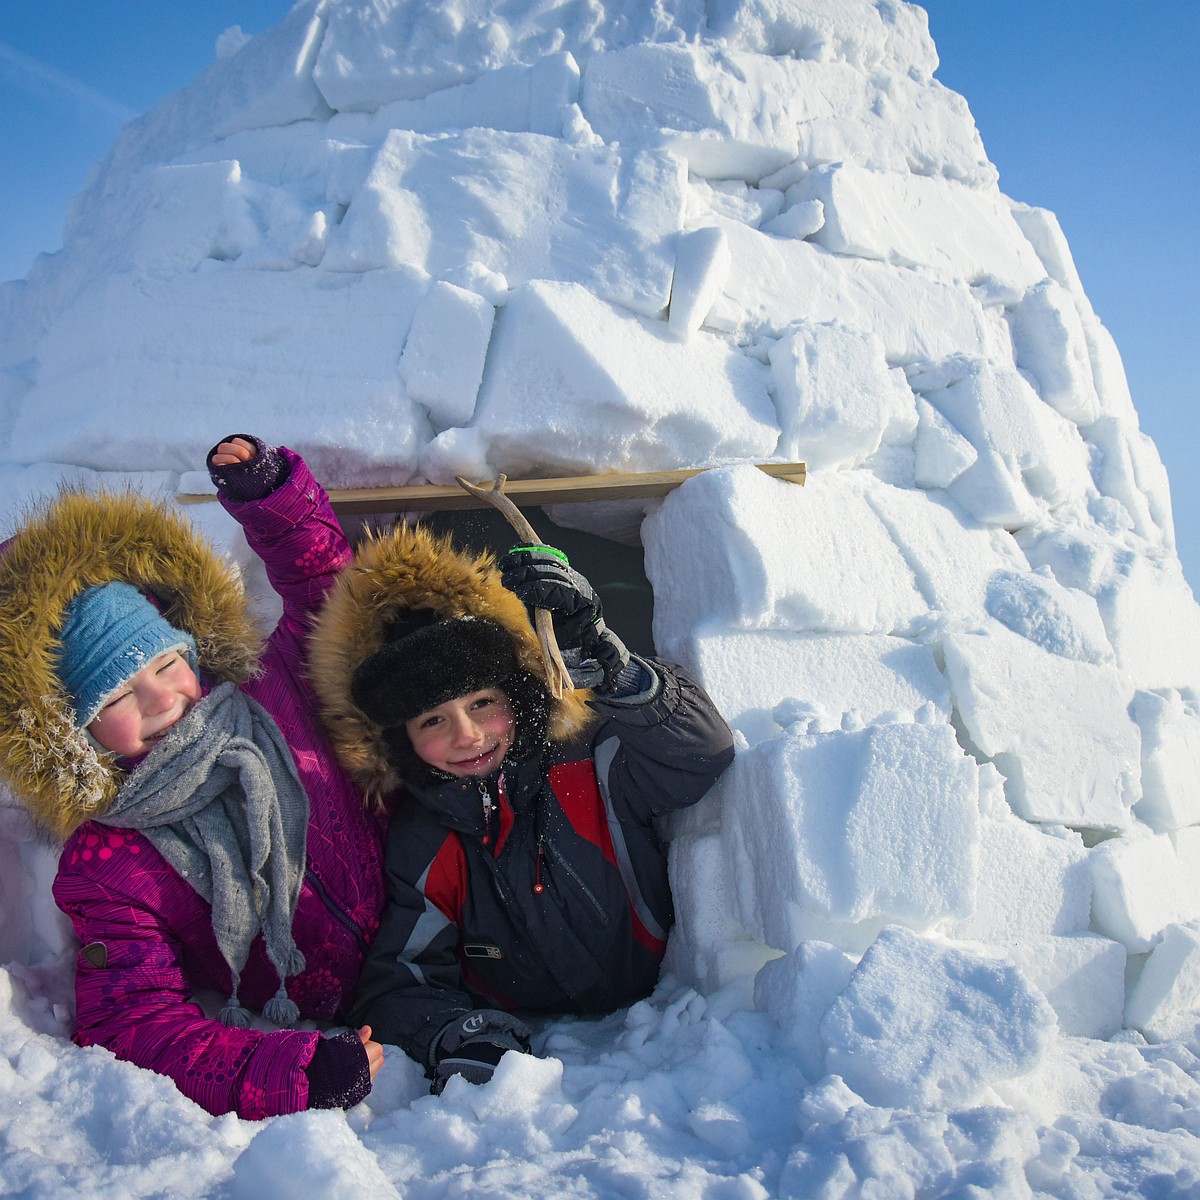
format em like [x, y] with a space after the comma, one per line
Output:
[960, 843]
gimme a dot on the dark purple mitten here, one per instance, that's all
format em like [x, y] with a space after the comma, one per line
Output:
[249, 480]
[339, 1075]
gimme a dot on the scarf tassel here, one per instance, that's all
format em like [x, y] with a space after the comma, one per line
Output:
[233, 1014]
[281, 1009]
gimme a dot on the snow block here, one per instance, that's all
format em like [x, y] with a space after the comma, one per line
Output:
[953, 558]
[846, 828]
[786, 110]
[701, 264]
[797, 990]
[775, 282]
[191, 354]
[1057, 728]
[708, 949]
[1170, 727]
[575, 386]
[1028, 456]
[1033, 883]
[942, 454]
[503, 202]
[955, 231]
[869, 679]
[442, 362]
[837, 399]
[1050, 345]
[1126, 467]
[1138, 889]
[376, 53]
[922, 1024]
[1169, 983]
[1083, 978]
[736, 550]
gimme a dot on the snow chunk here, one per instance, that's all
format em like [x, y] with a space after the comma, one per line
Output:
[871, 678]
[1139, 888]
[775, 282]
[442, 363]
[1060, 620]
[854, 31]
[797, 990]
[737, 549]
[926, 1025]
[1033, 882]
[509, 202]
[374, 53]
[1083, 978]
[1149, 611]
[851, 829]
[1170, 728]
[837, 398]
[701, 265]
[1028, 455]
[1050, 345]
[738, 115]
[577, 386]
[916, 221]
[1056, 727]
[197, 355]
[1169, 984]
[942, 454]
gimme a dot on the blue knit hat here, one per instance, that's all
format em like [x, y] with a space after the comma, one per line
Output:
[110, 633]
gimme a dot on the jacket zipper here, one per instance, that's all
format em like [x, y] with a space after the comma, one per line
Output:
[343, 918]
[561, 860]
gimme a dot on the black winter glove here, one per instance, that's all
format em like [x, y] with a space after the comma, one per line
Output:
[541, 577]
[471, 1046]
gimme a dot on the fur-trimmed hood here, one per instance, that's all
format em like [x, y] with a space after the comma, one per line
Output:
[70, 543]
[409, 567]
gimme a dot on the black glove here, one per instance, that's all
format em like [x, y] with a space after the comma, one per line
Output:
[541, 577]
[471, 1046]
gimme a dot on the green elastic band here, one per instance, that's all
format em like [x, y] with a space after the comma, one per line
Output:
[551, 550]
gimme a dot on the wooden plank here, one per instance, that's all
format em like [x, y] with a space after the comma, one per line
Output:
[572, 489]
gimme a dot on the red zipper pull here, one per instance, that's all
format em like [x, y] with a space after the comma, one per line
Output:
[538, 886]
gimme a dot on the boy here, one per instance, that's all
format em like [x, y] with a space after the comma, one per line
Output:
[524, 869]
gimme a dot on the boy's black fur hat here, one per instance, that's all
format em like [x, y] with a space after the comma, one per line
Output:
[428, 662]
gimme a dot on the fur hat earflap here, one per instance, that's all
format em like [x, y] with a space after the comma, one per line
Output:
[400, 584]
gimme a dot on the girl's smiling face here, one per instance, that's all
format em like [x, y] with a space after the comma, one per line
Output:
[138, 714]
[469, 735]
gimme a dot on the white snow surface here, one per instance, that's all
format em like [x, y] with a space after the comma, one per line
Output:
[938, 927]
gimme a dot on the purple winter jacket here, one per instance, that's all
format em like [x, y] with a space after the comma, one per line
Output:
[146, 936]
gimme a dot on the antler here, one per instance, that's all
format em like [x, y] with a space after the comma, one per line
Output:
[558, 677]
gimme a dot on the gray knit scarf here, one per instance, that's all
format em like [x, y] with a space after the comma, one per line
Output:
[220, 799]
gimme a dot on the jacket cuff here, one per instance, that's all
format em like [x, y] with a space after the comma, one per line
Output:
[251, 480]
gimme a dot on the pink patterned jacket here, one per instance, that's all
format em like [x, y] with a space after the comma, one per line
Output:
[146, 936]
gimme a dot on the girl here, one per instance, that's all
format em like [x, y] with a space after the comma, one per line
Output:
[212, 844]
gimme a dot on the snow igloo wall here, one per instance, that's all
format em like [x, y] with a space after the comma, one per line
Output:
[415, 241]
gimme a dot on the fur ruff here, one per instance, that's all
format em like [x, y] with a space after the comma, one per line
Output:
[408, 567]
[67, 544]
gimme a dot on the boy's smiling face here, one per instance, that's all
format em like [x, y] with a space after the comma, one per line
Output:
[138, 714]
[469, 735]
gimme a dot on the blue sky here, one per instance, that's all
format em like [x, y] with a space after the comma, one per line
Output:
[1087, 107]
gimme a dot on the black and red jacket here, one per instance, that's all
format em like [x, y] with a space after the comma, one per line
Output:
[543, 888]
